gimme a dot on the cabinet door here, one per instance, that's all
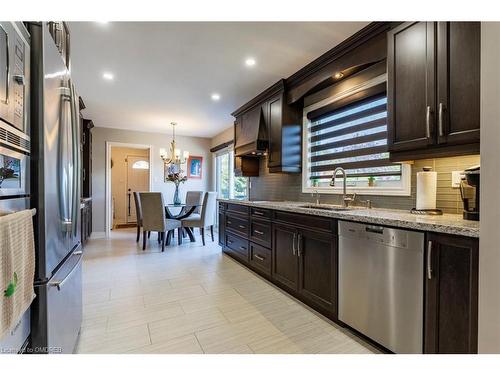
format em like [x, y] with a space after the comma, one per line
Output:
[318, 268]
[451, 294]
[285, 260]
[458, 78]
[411, 86]
[221, 228]
[274, 123]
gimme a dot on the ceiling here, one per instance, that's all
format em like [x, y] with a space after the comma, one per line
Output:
[167, 71]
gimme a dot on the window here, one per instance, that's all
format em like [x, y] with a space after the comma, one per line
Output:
[140, 164]
[350, 131]
[227, 184]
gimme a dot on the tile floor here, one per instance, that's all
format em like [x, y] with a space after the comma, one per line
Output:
[192, 299]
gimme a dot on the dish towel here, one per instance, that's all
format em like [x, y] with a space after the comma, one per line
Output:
[17, 267]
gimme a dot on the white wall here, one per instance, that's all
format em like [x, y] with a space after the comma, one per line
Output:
[489, 249]
[196, 147]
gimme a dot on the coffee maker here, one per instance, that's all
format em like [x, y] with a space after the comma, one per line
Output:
[469, 190]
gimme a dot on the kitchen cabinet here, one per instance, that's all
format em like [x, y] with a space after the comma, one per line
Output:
[433, 89]
[317, 253]
[451, 294]
[284, 125]
[86, 219]
[269, 125]
[220, 230]
[285, 260]
[458, 89]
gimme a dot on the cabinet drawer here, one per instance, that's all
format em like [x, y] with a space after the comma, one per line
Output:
[260, 232]
[261, 213]
[237, 224]
[237, 246]
[237, 208]
[308, 221]
[260, 258]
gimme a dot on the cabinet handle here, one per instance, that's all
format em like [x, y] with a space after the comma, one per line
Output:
[293, 243]
[228, 222]
[429, 260]
[243, 248]
[258, 232]
[241, 226]
[259, 257]
[428, 122]
[299, 240]
[258, 213]
[440, 120]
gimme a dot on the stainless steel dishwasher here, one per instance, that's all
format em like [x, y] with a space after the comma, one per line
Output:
[381, 284]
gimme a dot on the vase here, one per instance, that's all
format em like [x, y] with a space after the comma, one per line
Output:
[177, 199]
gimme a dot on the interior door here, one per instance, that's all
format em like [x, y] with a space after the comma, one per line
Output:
[137, 180]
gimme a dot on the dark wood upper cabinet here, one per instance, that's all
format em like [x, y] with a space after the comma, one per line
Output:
[318, 269]
[410, 95]
[451, 294]
[433, 89]
[458, 72]
[268, 124]
[285, 136]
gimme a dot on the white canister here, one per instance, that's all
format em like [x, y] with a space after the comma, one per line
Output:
[426, 189]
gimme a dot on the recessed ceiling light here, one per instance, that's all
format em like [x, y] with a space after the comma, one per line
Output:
[250, 61]
[215, 97]
[338, 75]
[108, 76]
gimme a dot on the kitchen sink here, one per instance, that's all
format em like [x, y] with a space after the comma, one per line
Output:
[325, 207]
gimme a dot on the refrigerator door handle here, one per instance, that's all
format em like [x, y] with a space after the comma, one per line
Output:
[75, 199]
[65, 177]
[60, 283]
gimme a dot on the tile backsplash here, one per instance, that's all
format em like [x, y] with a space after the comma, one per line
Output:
[277, 186]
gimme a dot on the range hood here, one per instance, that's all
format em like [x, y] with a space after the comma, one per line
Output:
[250, 134]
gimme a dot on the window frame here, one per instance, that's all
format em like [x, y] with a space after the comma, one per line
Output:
[403, 190]
[230, 151]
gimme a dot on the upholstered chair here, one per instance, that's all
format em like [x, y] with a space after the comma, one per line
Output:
[206, 218]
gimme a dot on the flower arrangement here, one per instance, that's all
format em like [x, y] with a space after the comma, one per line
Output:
[174, 173]
[371, 181]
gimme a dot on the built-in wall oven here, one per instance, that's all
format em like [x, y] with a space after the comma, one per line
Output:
[15, 148]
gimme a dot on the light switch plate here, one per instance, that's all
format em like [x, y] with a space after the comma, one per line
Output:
[456, 176]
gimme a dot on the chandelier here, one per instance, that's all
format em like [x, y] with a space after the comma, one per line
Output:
[174, 155]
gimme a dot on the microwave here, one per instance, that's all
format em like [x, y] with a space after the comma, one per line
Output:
[14, 75]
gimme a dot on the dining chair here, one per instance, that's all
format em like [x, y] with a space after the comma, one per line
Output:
[154, 220]
[138, 214]
[206, 218]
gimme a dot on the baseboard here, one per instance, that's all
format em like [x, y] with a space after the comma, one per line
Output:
[97, 235]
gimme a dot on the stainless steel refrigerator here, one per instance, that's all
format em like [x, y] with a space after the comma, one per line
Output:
[55, 180]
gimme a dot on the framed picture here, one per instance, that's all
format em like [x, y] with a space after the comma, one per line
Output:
[195, 164]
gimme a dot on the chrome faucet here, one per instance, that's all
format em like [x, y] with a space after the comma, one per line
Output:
[345, 198]
[317, 196]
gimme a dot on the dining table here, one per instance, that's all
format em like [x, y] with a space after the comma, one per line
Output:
[185, 211]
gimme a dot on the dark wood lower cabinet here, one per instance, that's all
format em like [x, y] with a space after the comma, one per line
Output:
[302, 259]
[285, 260]
[318, 268]
[451, 295]
[86, 220]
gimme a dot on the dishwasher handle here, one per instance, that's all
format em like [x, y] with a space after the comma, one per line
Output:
[374, 229]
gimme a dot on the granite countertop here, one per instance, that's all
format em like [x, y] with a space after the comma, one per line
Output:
[446, 223]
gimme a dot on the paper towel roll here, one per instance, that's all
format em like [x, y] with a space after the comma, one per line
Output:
[426, 189]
